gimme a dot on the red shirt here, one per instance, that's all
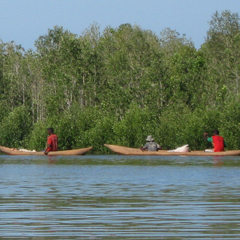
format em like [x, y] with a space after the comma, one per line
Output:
[52, 140]
[218, 143]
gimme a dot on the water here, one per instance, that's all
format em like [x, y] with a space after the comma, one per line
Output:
[118, 197]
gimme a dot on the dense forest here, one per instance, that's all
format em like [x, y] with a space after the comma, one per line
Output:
[120, 85]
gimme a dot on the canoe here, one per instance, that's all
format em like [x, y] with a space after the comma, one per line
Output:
[135, 151]
[12, 151]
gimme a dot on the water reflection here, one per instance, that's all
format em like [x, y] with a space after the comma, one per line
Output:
[218, 161]
[116, 197]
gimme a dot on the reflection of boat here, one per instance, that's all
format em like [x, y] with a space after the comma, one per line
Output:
[135, 151]
[12, 151]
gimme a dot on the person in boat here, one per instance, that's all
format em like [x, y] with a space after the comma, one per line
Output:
[217, 141]
[151, 145]
[52, 141]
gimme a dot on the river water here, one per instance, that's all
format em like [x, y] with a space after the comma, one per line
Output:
[119, 197]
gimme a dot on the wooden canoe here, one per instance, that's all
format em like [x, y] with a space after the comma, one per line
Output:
[11, 151]
[135, 151]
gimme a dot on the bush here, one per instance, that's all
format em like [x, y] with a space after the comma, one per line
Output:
[100, 134]
[179, 126]
[37, 138]
[15, 128]
[230, 125]
[132, 130]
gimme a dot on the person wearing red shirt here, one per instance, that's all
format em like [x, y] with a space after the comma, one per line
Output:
[52, 141]
[217, 141]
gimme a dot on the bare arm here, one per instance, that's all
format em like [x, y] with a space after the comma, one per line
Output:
[205, 136]
[145, 147]
[142, 148]
[47, 149]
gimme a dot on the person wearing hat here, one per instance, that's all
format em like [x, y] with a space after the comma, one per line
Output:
[151, 145]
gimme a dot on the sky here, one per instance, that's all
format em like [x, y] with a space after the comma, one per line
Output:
[23, 21]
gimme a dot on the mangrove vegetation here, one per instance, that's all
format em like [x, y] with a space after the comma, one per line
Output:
[120, 85]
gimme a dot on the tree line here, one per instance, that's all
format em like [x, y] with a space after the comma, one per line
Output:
[120, 85]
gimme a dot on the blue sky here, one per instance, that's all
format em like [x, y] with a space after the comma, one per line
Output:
[23, 21]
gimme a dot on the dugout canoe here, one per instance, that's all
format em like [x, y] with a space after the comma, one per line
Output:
[12, 151]
[138, 152]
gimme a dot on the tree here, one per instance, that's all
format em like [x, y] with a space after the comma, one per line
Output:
[222, 53]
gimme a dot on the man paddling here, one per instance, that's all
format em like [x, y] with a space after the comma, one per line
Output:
[52, 141]
[151, 145]
[217, 141]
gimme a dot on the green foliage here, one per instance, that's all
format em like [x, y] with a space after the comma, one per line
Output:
[102, 132]
[120, 85]
[222, 53]
[181, 126]
[38, 136]
[230, 125]
[15, 127]
[131, 131]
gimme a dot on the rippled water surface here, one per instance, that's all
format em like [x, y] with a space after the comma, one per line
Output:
[119, 197]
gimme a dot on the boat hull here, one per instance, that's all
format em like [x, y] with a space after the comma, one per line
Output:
[137, 152]
[80, 151]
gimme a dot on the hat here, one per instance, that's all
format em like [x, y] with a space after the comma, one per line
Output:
[150, 138]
